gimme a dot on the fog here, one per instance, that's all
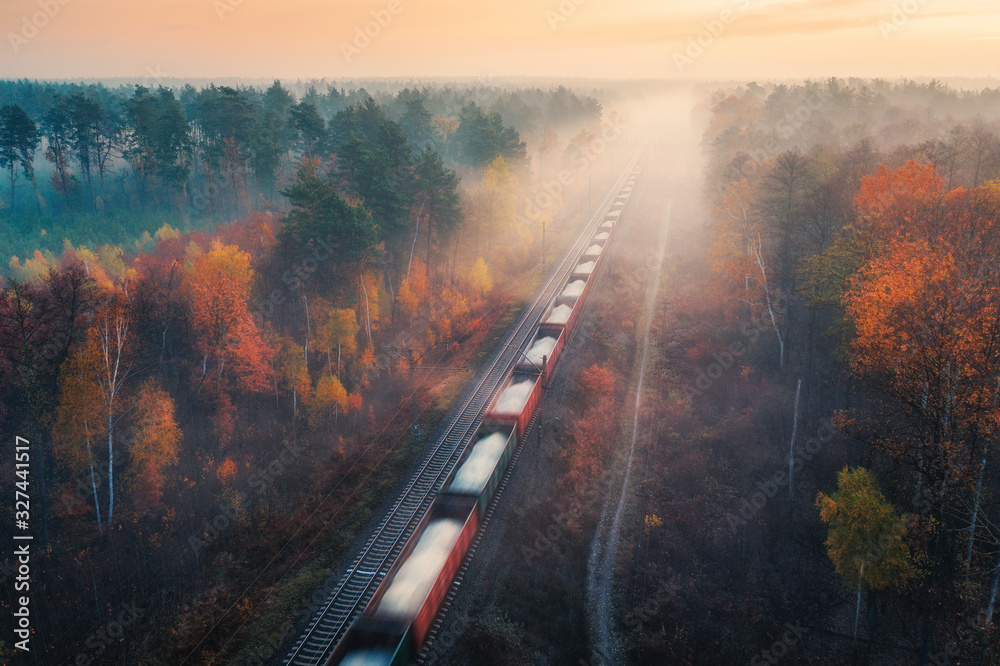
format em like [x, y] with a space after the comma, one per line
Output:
[257, 258]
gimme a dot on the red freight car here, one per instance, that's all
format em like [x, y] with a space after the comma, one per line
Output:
[607, 227]
[594, 251]
[595, 248]
[576, 287]
[611, 219]
[562, 311]
[414, 588]
[585, 267]
[483, 464]
[546, 345]
[516, 401]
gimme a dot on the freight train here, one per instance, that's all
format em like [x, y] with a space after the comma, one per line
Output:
[395, 623]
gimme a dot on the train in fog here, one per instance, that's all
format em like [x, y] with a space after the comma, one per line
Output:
[396, 621]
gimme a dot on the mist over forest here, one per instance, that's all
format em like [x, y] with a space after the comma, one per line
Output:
[717, 359]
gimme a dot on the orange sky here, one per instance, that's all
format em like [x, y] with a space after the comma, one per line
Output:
[618, 38]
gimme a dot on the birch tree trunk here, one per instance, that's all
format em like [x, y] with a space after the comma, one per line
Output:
[993, 591]
[975, 506]
[857, 607]
[368, 319]
[754, 248]
[111, 468]
[93, 481]
[791, 447]
[308, 328]
[413, 245]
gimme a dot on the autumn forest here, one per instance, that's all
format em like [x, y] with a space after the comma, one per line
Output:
[234, 317]
[191, 383]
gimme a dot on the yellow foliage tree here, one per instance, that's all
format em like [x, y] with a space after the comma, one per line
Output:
[145, 243]
[329, 399]
[866, 541]
[91, 263]
[32, 269]
[480, 280]
[113, 260]
[337, 332]
[166, 232]
[294, 374]
[368, 311]
[867, 537]
[407, 299]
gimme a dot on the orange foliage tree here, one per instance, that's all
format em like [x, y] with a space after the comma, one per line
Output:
[597, 380]
[226, 335]
[154, 445]
[155, 436]
[926, 309]
[889, 206]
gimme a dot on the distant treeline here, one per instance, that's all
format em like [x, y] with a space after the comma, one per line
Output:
[119, 161]
[957, 130]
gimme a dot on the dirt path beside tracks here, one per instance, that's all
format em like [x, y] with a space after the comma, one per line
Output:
[604, 546]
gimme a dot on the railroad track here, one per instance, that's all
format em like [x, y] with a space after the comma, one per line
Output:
[529, 433]
[362, 578]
